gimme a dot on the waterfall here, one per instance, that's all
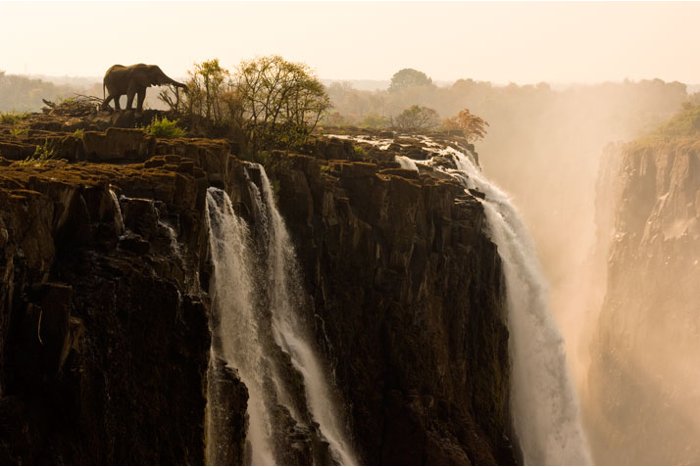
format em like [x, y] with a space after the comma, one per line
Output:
[172, 236]
[293, 335]
[543, 402]
[118, 218]
[406, 163]
[236, 323]
[239, 307]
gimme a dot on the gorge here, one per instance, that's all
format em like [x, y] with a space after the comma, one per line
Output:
[367, 299]
[343, 310]
[117, 329]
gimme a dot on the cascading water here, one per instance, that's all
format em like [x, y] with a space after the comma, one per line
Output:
[407, 163]
[241, 329]
[118, 218]
[172, 236]
[235, 329]
[544, 406]
[291, 333]
[543, 402]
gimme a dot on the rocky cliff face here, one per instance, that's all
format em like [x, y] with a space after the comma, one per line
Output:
[104, 310]
[408, 298]
[642, 389]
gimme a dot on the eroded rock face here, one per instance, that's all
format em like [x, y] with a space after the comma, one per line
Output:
[642, 395]
[408, 298]
[104, 307]
[105, 347]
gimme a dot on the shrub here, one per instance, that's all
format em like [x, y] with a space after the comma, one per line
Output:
[375, 121]
[43, 153]
[164, 128]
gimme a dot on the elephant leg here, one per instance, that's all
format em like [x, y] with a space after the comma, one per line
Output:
[129, 100]
[105, 103]
[116, 102]
[139, 102]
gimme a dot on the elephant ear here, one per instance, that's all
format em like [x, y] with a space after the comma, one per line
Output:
[156, 77]
[140, 78]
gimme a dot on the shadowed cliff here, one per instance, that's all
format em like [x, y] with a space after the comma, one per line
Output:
[104, 305]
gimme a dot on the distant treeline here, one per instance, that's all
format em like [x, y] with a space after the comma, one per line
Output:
[643, 99]
[23, 94]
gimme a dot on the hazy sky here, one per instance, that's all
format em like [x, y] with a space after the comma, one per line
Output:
[502, 42]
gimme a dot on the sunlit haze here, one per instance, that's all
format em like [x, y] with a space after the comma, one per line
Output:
[500, 42]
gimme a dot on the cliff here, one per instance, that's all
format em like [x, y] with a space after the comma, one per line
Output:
[104, 304]
[642, 393]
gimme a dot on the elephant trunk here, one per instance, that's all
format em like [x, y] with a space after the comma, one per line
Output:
[172, 82]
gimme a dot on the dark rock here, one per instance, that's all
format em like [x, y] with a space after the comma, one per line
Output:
[134, 243]
[117, 144]
[409, 293]
[226, 443]
[105, 355]
[16, 151]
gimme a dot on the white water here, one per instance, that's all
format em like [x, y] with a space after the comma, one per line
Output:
[543, 402]
[233, 305]
[119, 218]
[293, 336]
[236, 296]
[406, 163]
[172, 236]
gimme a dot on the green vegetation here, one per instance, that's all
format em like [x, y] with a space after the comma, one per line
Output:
[164, 128]
[18, 132]
[211, 96]
[11, 118]
[417, 118]
[359, 150]
[684, 123]
[280, 102]
[266, 103]
[42, 154]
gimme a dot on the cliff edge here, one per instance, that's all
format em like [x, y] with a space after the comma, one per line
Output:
[104, 304]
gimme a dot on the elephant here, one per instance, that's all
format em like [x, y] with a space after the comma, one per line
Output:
[133, 80]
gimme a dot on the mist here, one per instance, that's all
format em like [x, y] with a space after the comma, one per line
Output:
[593, 136]
[557, 152]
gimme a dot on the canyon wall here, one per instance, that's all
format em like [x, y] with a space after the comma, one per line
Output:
[104, 303]
[641, 395]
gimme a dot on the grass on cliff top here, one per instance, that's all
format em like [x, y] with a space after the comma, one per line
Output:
[684, 123]
[10, 118]
[681, 128]
[19, 174]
